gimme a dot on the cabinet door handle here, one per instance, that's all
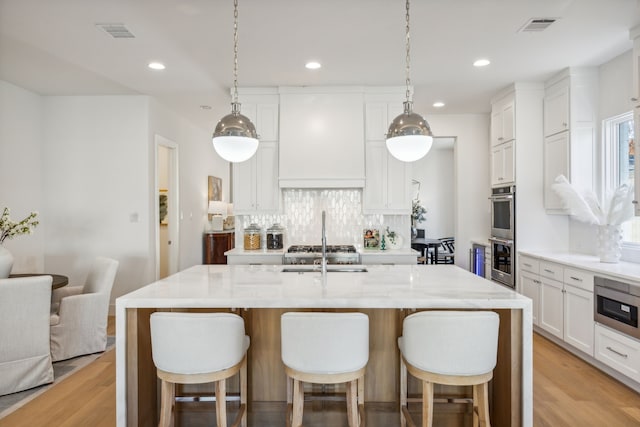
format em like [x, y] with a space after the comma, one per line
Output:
[577, 279]
[526, 265]
[617, 352]
[549, 271]
[634, 99]
[635, 202]
[500, 138]
[537, 282]
[564, 124]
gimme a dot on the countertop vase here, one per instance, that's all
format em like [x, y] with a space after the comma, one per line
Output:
[6, 262]
[609, 243]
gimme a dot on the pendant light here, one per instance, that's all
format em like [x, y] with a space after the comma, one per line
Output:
[235, 138]
[409, 137]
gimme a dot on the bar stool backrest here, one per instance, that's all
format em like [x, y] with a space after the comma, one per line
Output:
[195, 343]
[461, 343]
[325, 343]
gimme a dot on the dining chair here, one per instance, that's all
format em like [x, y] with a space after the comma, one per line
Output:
[79, 313]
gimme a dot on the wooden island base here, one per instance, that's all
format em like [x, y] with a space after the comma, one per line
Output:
[267, 381]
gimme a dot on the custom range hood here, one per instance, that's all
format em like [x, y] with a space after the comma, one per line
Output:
[321, 137]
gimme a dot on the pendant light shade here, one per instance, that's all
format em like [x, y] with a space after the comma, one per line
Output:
[409, 137]
[235, 138]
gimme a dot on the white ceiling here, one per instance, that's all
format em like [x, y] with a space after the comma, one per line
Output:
[54, 47]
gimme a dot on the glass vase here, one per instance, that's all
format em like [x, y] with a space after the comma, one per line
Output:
[609, 243]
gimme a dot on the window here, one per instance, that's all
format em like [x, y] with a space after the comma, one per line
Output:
[619, 164]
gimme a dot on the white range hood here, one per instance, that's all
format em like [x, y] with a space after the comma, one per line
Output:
[321, 137]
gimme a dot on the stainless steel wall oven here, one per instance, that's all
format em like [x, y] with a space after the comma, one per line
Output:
[503, 212]
[502, 261]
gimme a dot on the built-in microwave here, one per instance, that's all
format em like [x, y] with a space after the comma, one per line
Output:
[616, 305]
[503, 203]
[502, 262]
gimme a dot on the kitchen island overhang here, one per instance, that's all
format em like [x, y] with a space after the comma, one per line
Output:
[265, 291]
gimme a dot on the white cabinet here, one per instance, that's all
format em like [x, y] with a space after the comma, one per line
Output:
[387, 188]
[503, 121]
[388, 182]
[556, 161]
[617, 351]
[255, 182]
[503, 164]
[551, 306]
[556, 110]
[570, 107]
[578, 318]
[530, 287]
[562, 300]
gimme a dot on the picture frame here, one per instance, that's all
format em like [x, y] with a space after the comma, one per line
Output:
[371, 238]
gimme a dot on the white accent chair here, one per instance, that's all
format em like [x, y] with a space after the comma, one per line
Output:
[79, 313]
[452, 348]
[325, 348]
[25, 360]
[197, 348]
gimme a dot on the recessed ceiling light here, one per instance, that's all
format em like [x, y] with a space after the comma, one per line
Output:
[156, 65]
[481, 63]
[313, 65]
[438, 104]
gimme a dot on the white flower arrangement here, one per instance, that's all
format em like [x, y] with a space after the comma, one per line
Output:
[9, 229]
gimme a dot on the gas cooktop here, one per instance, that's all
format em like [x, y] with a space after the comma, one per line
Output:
[318, 249]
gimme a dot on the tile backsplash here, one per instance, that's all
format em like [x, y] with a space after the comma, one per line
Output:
[302, 217]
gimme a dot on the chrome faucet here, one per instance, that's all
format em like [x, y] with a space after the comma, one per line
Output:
[324, 244]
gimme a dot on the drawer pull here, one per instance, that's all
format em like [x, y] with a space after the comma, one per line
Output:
[617, 352]
[537, 281]
[549, 271]
[577, 279]
[527, 265]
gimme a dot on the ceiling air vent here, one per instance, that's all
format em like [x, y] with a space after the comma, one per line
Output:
[537, 24]
[117, 31]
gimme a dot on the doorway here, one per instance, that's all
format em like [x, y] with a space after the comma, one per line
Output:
[166, 207]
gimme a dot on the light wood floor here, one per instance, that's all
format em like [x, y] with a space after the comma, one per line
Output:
[567, 392]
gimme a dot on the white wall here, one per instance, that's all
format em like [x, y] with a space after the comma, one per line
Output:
[471, 171]
[21, 173]
[615, 89]
[435, 174]
[96, 188]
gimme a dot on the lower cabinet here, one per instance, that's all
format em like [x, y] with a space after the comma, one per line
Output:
[562, 301]
[618, 351]
[215, 245]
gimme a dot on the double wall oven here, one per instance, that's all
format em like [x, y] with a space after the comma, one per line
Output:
[503, 200]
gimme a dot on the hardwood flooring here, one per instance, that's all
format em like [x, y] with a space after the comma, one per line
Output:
[567, 392]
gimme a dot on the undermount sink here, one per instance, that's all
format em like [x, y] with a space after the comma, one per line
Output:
[330, 269]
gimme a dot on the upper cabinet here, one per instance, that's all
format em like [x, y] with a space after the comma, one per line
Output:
[388, 180]
[503, 119]
[570, 107]
[503, 132]
[255, 181]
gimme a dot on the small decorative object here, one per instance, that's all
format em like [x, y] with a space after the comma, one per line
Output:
[394, 239]
[417, 213]
[252, 237]
[383, 244]
[584, 207]
[163, 200]
[371, 238]
[8, 230]
[275, 237]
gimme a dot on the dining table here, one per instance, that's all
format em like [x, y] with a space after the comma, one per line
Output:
[58, 279]
[422, 243]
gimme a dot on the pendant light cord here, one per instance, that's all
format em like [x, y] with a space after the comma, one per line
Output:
[235, 51]
[408, 57]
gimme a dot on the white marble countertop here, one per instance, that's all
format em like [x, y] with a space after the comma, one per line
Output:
[266, 286]
[628, 271]
[399, 251]
[280, 252]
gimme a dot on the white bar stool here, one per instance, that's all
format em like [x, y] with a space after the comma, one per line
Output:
[325, 348]
[452, 348]
[196, 348]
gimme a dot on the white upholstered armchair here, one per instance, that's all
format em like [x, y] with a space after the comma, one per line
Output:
[79, 313]
[25, 360]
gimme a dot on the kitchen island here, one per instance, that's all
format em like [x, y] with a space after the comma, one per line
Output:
[261, 293]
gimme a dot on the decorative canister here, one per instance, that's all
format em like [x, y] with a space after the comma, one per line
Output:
[275, 237]
[252, 237]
